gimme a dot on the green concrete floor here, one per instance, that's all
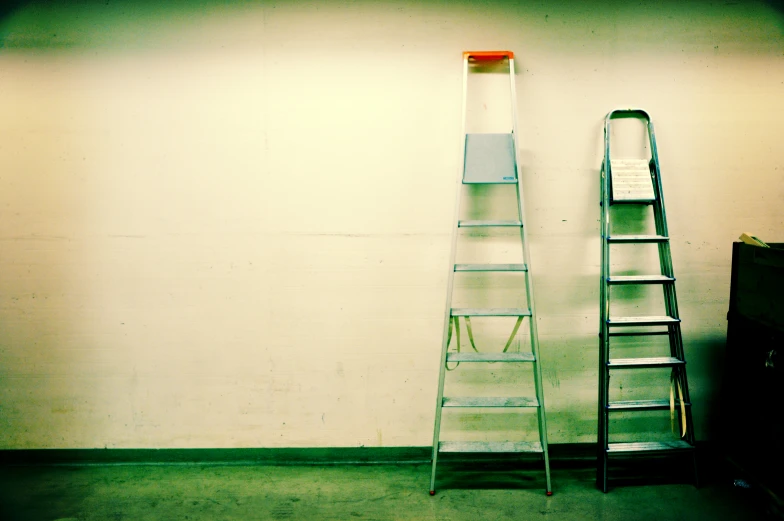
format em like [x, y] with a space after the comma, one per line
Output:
[343, 492]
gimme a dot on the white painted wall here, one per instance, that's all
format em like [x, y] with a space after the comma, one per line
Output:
[229, 226]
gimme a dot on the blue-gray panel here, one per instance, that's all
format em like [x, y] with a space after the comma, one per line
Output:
[489, 158]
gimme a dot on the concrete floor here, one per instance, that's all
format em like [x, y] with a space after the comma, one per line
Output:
[369, 492]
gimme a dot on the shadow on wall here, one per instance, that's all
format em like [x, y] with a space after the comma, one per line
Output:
[26, 24]
[715, 381]
[63, 24]
[9, 7]
[777, 5]
[37, 296]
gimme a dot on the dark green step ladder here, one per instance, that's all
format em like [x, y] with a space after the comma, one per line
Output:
[638, 182]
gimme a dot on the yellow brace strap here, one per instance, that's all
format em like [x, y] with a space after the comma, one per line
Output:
[470, 330]
[457, 338]
[514, 332]
[675, 382]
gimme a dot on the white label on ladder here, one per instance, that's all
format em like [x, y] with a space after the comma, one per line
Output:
[631, 180]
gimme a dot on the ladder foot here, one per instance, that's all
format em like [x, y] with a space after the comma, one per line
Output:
[432, 492]
[548, 493]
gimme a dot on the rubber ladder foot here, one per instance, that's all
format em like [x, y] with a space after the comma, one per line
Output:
[548, 493]
[432, 492]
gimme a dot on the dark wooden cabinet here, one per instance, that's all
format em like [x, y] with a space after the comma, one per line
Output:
[753, 387]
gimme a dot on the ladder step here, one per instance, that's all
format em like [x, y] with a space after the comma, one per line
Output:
[639, 279]
[483, 224]
[637, 238]
[490, 357]
[648, 446]
[643, 201]
[490, 446]
[640, 405]
[642, 321]
[490, 267]
[510, 401]
[631, 181]
[491, 312]
[634, 363]
[639, 333]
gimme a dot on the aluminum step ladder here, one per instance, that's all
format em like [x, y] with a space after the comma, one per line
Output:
[638, 182]
[491, 159]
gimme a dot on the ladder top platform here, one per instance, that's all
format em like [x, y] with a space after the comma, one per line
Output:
[631, 180]
[489, 159]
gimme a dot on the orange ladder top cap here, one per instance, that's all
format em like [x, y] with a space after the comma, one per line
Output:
[488, 55]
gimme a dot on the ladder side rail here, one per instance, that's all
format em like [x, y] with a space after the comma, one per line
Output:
[682, 378]
[450, 286]
[665, 253]
[604, 297]
[606, 225]
[669, 289]
[671, 301]
[529, 289]
[604, 339]
[670, 293]
[604, 342]
[674, 333]
[665, 256]
[665, 264]
[660, 216]
[661, 223]
[657, 180]
[606, 194]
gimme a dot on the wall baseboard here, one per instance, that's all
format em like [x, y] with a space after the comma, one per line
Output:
[565, 454]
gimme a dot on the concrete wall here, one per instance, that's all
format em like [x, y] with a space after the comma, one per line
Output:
[228, 225]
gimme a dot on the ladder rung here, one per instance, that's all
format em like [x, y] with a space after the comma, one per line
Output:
[491, 312]
[490, 446]
[639, 333]
[640, 405]
[642, 321]
[639, 279]
[633, 363]
[637, 238]
[483, 224]
[633, 201]
[490, 357]
[648, 446]
[490, 267]
[499, 182]
[511, 401]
